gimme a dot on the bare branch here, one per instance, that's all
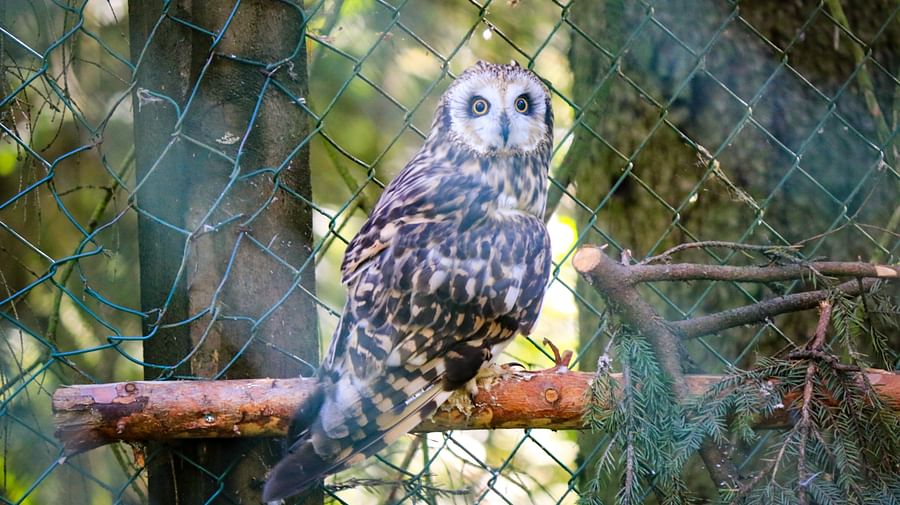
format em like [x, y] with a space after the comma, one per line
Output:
[590, 262]
[761, 311]
[695, 272]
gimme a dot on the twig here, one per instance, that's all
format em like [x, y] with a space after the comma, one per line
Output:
[330, 22]
[751, 483]
[715, 167]
[820, 355]
[564, 176]
[404, 465]
[892, 224]
[9, 383]
[804, 425]
[368, 483]
[770, 469]
[765, 249]
[361, 200]
[130, 466]
[862, 75]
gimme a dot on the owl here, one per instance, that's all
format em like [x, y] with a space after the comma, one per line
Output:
[451, 264]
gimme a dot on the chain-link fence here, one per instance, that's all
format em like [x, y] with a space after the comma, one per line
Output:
[178, 184]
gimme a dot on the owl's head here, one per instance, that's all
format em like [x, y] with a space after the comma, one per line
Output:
[497, 109]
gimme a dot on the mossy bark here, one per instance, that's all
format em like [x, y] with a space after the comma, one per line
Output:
[227, 167]
[750, 85]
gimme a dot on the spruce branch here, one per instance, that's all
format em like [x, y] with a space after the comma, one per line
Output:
[618, 281]
[613, 281]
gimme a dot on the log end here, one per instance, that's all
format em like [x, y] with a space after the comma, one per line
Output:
[77, 424]
[887, 272]
[588, 258]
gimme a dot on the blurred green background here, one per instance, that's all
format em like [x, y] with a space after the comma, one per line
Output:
[797, 103]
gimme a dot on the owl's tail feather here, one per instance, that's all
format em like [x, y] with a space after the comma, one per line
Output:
[303, 466]
[290, 475]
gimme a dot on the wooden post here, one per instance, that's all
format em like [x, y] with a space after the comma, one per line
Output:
[227, 296]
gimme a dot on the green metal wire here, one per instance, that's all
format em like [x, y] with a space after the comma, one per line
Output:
[47, 46]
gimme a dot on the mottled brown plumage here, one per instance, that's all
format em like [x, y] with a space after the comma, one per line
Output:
[452, 263]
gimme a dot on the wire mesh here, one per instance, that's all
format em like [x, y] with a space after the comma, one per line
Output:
[676, 121]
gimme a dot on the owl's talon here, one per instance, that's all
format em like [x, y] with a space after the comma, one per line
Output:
[492, 370]
[472, 388]
[562, 361]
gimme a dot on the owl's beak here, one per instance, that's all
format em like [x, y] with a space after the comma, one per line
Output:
[504, 128]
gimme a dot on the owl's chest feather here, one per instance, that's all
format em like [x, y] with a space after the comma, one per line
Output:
[519, 183]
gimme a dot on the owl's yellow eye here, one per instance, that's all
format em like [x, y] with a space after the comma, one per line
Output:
[480, 106]
[522, 104]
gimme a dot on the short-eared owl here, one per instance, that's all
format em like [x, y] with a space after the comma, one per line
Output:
[452, 263]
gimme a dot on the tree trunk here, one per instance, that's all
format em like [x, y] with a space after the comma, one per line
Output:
[647, 108]
[228, 288]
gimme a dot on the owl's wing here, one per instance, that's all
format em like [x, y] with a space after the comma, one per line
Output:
[428, 299]
[415, 214]
[419, 194]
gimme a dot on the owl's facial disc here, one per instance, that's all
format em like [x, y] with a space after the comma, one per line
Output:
[499, 112]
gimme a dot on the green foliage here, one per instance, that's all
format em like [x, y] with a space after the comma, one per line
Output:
[647, 427]
[852, 441]
[847, 452]
[769, 88]
[868, 321]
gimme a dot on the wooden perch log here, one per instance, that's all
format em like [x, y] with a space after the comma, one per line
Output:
[92, 415]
